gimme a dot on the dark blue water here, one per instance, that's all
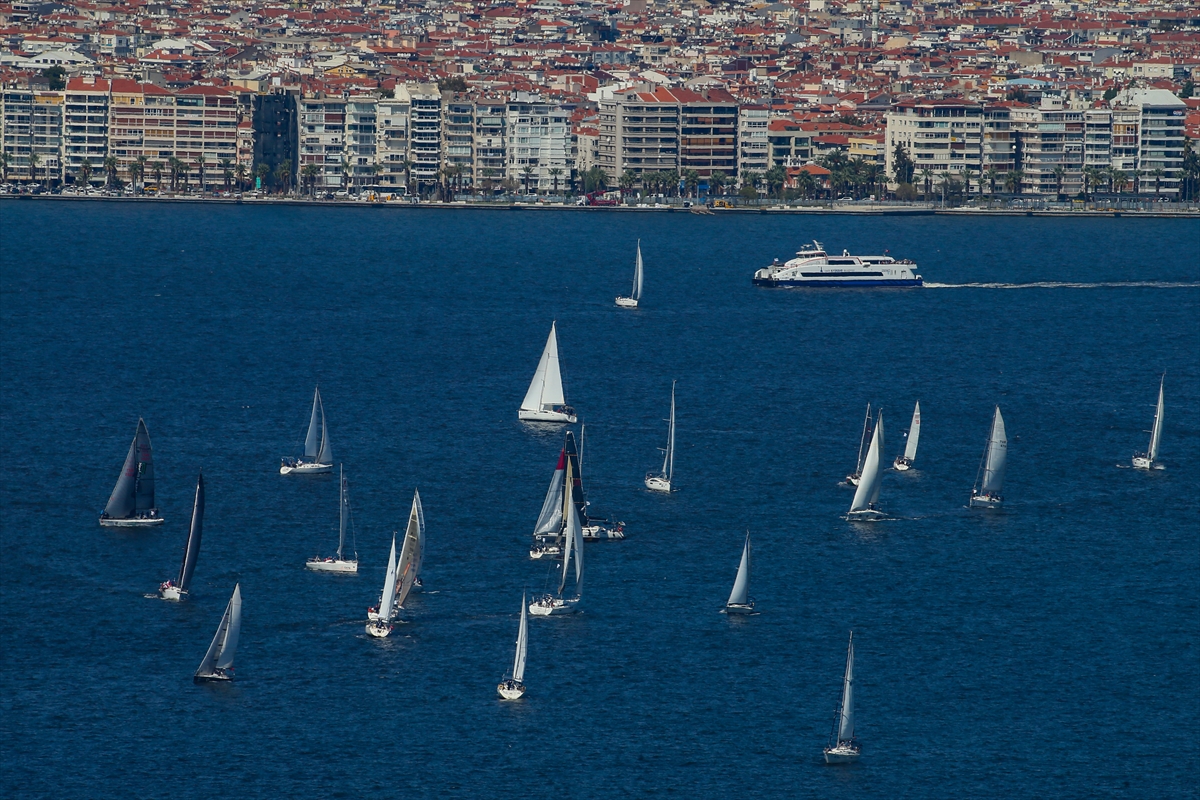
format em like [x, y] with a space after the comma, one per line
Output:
[1050, 649]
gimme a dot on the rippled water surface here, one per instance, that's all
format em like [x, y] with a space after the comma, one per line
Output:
[1050, 649]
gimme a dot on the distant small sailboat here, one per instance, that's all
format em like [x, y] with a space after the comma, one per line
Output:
[546, 399]
[420, 511]
[739, 601]
[379, 618]
[555, 604]
[843, 748]
[178, 589]
[989, 481]
[547, 531]
[402, 573]
[318, 455]
[854, 478]
[338, 563]
[636, 294]
[513, 688]
[866, 495]
[131, 504]
[218, 661]
[1149, 459]
[661, 481]
[906, 459]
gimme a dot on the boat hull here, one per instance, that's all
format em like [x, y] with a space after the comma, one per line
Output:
[626, 302]
[378, 629]
[215, 677]
[545, 416]
[866, 515]
[551, 606]
[980, 501]
[546, 551]
[305, 469]
[1141, 462]
[738, 608]
[148, 522]
[842, 754]
[853, 479]
[599, 533]
[657, 483]
[342, 567]
[172, 593]
[902, 464]
[839, 283]
[511, 690]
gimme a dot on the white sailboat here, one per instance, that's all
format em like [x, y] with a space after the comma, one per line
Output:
[595, 529]
[739, 601]
[402, 573]
[379, 618]
[131, 504]
[513, 688]
[555, 604]
[854, 478]
[318, 456]
[546, 400]
[636, 294]
[420, 511]
[866, 495]
[905, 460]
[1149, 459]
[547, 532]
[338, 563]
[178, 589]
[661, 481]
[989, 481]
[843, 748]
[218, 661]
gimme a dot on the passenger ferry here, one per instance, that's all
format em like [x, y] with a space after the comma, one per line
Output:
[812, 266]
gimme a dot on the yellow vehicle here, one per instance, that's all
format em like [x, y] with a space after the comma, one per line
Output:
[722, 204]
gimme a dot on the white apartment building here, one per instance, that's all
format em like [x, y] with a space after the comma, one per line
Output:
[458, 136]
[1049, 147]
[491, 158]
[391, 137]
[538, 144]
[321, 140]
[360, 140]
[754, 154]
[425, 134]
[31, 133]
[85, 127]
[1160, 139]
[939, 136]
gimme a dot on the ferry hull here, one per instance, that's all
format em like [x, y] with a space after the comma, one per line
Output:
[834, 283]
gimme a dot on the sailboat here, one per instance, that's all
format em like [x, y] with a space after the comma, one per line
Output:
[545, 401]
[905, 460]
[131, 504]
[842, 747]
[178, 589]
[420, 511]
[989, 481]
[866, 495]
[379, 618]
[739, 601]
[661, 481]
[402, 572]
[318, 456]
[547, 532]
[218, 661]
[636, 294]
[338, 563]
[513, 688]
[1149, 459]
[555, 604]
[594, 529]
[862, 449]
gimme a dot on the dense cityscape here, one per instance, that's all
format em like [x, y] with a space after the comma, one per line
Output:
[604, 101]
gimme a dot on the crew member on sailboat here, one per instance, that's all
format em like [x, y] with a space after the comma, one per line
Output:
[131, 504]
[546, 399]
[178, 589]
[318, 455]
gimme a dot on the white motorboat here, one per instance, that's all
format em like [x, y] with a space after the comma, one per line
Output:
[813, 267]
[131, 504]
[546, 399]
[864, 507]
[177, 589]
[843, 748]
[739, 601]
[555, 604]
[1149, 459]
[661, 481]
[854, 477]
[513, 687]
[989, 481]
[218, 661]
[905, 460]
[636, 294]
[338, 563]
[318, 455]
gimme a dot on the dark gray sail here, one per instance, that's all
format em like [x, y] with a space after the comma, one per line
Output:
[191, 550]
[578, 494]
[144, 490]
[120, 503]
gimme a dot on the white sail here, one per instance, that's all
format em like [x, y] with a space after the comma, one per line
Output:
[343, 511]
[410, 554]
[312, 442]
[550, 520]
[867, 492]
[518, 672]
[325, 453]
[571, 517]
[546, 388]
[997, 457]
[637, 273]
[846, 718]
[862, 442]
[741, 584]
[224, 644]
[575, 531]
[669, 455]
[914, 433]
[420, 532]
[388, 597]
[1156, 432]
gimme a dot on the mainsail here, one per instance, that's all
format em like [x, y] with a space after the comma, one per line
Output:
[1156, 431]
[914, 433]
[862, 442]
[573, 458]
[669, 454]
[550, 520]
[546, 388]
[996, 459]
[637, 273]
[388, 598]
[410, 554]
[420, 534]
[741, 584]
[316, 443]
[867, 493]
[572, 536]
[134, 491]
[518, 672]
[846, 712]
[191, 550]
[224, 644]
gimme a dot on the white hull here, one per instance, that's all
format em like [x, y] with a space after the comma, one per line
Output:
[546, 551]
[216, 677]
[853, 479]
[305, 469]
[866, 515]
[332, 565]
[545, 416]
[902, 464]
[980, 501]
[738, 608]
[657, 483]
[553, 606]
[378, 629]
[173, 593]
[511, 690]
[598, 533]
[132, 523]
[1141, 462]
[627, 302]
[842, 754]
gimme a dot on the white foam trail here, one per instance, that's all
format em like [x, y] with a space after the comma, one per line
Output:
[1067, 285]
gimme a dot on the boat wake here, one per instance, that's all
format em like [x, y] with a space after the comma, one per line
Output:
[1069, 285]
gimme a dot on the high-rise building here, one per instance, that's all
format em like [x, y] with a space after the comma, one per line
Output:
[538, 143]
[940, 136]
[754, 154]
[322, 140]
[85, 129]
[425, 134]
[1049, 146]
[458, 136]
[491, 160]
[391, 137]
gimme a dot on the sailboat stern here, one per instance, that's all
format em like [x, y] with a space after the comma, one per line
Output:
[511, 690]
[986, 501]
[842, 753]
[626, 302]
[658, 483]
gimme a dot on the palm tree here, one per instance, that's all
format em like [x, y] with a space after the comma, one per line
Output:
[526, 172]
[927, 179]
[1091, 179]
[174, 163]
[992, 175]
[141, 171]
[4, 166]
[263, 173]
[135, 171]
[691, 179]
[554, 172]
[751, 180]
[718, 181]
[283, 174]
[239, 174]
[967, 173]
[226, 172]
[805, 183]
[110, 170]
[488, 173]
[626, 181]
[1012, 181]
[1119, 180]
[1157, 174]
[34, 160]
[200, 162]
[85, 169]
[775, 178]
[309, 175]
[345, 174]
[1060, 173]
[408, 165]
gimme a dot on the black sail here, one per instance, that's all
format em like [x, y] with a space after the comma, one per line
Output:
[191, 551]
[144, 491]
[120, 503]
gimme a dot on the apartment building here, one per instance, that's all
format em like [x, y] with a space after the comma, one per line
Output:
[360, 141]
[938, 135]
[1049, 146]
[458, 136]
[998, 151]
[639, 132]
[391, 137]
[538, 143]
[1160, 139]
[708, 128]
[85, 128]
[322, 126]
[490, 138]
[1097, 138]
[754, 154]
[32, 133]
[789, 144]
[425, 134]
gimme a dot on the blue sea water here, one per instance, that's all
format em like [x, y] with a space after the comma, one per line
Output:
[1051, 649]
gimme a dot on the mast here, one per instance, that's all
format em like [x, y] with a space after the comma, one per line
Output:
[867, 493]
[343, 511]
[1156, 431]
[669, 458]
[741, 584]
[191, 549]
[569, 516]
[518, 671]
[579, 495]
[862, 442]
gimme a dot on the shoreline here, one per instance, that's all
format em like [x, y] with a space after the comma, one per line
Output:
[853, 210]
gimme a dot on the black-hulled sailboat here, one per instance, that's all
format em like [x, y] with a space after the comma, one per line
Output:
[131, 504]
[178, 589]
